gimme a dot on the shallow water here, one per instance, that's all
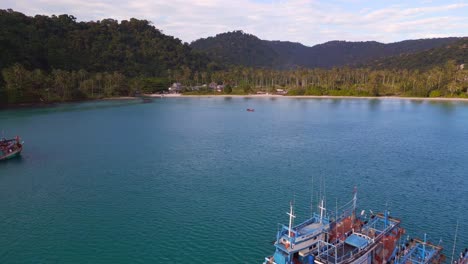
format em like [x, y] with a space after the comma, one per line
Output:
[200, 180]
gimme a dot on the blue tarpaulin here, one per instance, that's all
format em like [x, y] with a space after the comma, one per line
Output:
[356, 241]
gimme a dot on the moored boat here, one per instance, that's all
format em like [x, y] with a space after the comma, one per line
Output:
[10, 148]
[301, 243]
[343, 237]
[368, 241]
[416, 251]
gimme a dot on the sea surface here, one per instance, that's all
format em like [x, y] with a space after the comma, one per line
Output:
[201, 180]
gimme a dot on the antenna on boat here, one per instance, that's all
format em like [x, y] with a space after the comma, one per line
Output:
[291, 216]
[336, 209]
[312, 197]
[354, 199]
[322, 209]
[454, 242]
[354, 205]
[424, 247]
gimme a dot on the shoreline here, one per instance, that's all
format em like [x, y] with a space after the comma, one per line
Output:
[429, 99]
[117, 98]
[448, 99]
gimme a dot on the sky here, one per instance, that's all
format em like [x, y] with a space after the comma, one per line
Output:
[309, 22]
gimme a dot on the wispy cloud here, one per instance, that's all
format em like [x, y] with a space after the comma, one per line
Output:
[306, 21]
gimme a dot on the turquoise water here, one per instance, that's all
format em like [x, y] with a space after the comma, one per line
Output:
[200, 180]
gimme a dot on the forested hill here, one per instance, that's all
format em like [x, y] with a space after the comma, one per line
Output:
[238, 48]
[133, 47]
[56, 59]
[457, 52]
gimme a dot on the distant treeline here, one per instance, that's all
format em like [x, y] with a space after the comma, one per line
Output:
[55, 59]
[38, 86]
[447, 81]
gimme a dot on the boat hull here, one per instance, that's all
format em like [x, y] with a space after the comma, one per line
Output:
[12, 154]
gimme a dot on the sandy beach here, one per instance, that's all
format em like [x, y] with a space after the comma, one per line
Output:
[328, 97]
[296, 96]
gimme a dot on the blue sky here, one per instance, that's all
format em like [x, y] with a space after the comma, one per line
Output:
[307, 21]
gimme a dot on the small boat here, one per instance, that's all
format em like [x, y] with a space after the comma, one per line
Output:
[10, 148]
[250, 110]
[147, 99]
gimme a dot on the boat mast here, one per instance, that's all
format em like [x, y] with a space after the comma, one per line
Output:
[424, 248]
[454, 242]
[354, 205]
[312, 198]
[322, 209]
[291, 216]
[354, 200]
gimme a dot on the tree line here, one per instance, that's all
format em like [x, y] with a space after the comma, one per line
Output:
[449, 80]
[34, 86]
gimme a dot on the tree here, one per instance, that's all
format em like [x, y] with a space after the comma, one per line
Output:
[17, 78]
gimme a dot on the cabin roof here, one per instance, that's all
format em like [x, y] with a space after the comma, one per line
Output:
[356, 241]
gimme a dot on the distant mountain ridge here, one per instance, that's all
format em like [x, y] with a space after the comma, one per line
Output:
[456, 51]
[239, 48]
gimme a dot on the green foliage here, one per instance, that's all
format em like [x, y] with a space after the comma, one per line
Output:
[237, 48]
[426, 60]
[313, 91]
[296, 91]
[435, 93]
[449, 80]
[133, 47]
[56, 58]
[245, 87]
[151, 85]
[228, 89]
[24, 86]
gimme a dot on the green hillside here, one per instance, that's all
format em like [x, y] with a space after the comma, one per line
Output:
[75, 60]
[457, 52]
[239, 48]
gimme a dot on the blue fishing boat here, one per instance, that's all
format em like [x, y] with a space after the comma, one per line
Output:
[372, 240]
[416, 251]
[300, 244]
[343, 237]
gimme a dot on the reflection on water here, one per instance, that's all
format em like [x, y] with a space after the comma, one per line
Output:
[68, 107]
[374, 104]
[336, 102]
[417, 101]
[11, 163]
